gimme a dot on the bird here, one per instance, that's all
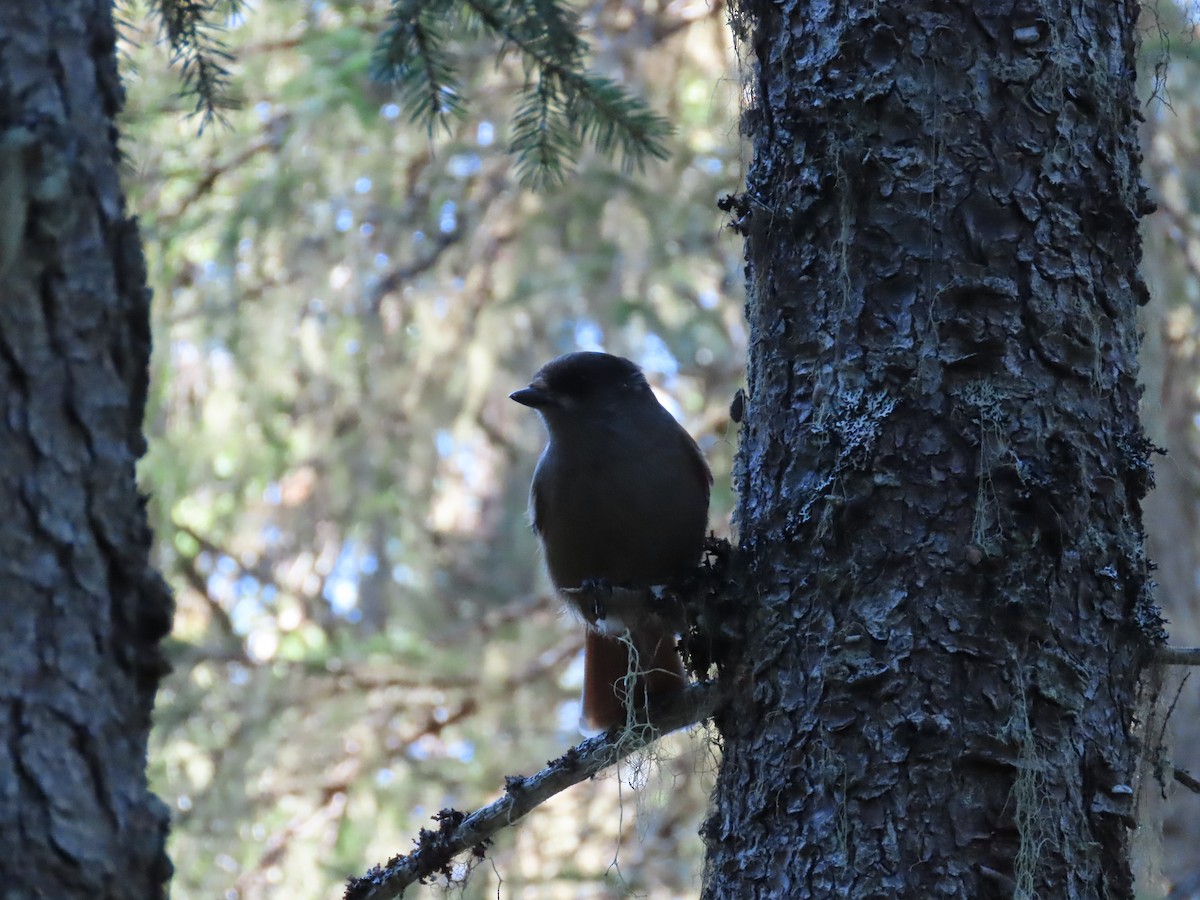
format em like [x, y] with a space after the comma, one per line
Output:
[619, 497]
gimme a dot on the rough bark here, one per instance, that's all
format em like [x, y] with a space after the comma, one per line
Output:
[82, 610]
[941, 464]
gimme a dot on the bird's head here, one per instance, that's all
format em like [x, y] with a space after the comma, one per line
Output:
[584, 386]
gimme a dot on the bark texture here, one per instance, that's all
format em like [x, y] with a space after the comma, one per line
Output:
[941, 465]
[82, 610]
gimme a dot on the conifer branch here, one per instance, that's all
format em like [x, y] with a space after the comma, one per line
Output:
[192, 35]
[411, 55]
[563, 105]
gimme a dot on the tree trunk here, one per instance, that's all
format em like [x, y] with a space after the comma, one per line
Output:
[82, 611]
[941, 464]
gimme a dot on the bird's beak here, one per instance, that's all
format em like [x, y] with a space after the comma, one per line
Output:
[535, 396]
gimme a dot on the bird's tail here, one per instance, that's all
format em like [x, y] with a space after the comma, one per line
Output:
[645, 661]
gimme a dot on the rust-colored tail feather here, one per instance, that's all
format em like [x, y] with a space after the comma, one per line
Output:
[606, 664]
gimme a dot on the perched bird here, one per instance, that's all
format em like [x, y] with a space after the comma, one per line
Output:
[619, 496]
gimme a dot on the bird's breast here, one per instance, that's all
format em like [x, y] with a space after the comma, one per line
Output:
[626, 520]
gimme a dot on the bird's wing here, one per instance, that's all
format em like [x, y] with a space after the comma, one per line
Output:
[537, 507]
[698, 462]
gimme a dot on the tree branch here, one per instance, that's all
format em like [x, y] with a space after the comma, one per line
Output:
[458, 832]
[1178, 656]
[1187, 779]
[208, 181]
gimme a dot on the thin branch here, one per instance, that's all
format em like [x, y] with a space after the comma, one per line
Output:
[208, 180]
[1187, 779]
[459, 833]
[1178, 656]
[398, 277]
[260, 572]
[488, 624]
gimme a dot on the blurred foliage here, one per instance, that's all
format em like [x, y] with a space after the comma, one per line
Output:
[338, 480]
[1170, 815]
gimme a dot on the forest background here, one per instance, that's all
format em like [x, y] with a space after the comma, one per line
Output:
[338, 481]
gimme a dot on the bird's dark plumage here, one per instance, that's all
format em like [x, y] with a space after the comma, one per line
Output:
[620, 495]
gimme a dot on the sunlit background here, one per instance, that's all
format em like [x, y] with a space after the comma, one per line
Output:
[338, 480]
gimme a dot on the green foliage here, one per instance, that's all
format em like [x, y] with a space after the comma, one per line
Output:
[337, 479]
[199, 51]
[563, 105]
[412, 55]
[329, 410]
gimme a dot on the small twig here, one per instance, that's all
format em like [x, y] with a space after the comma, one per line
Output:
[1178, 656]
[459, 833]
[401, 275]
[208, 181]
[1187, 779]
[488, 624]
